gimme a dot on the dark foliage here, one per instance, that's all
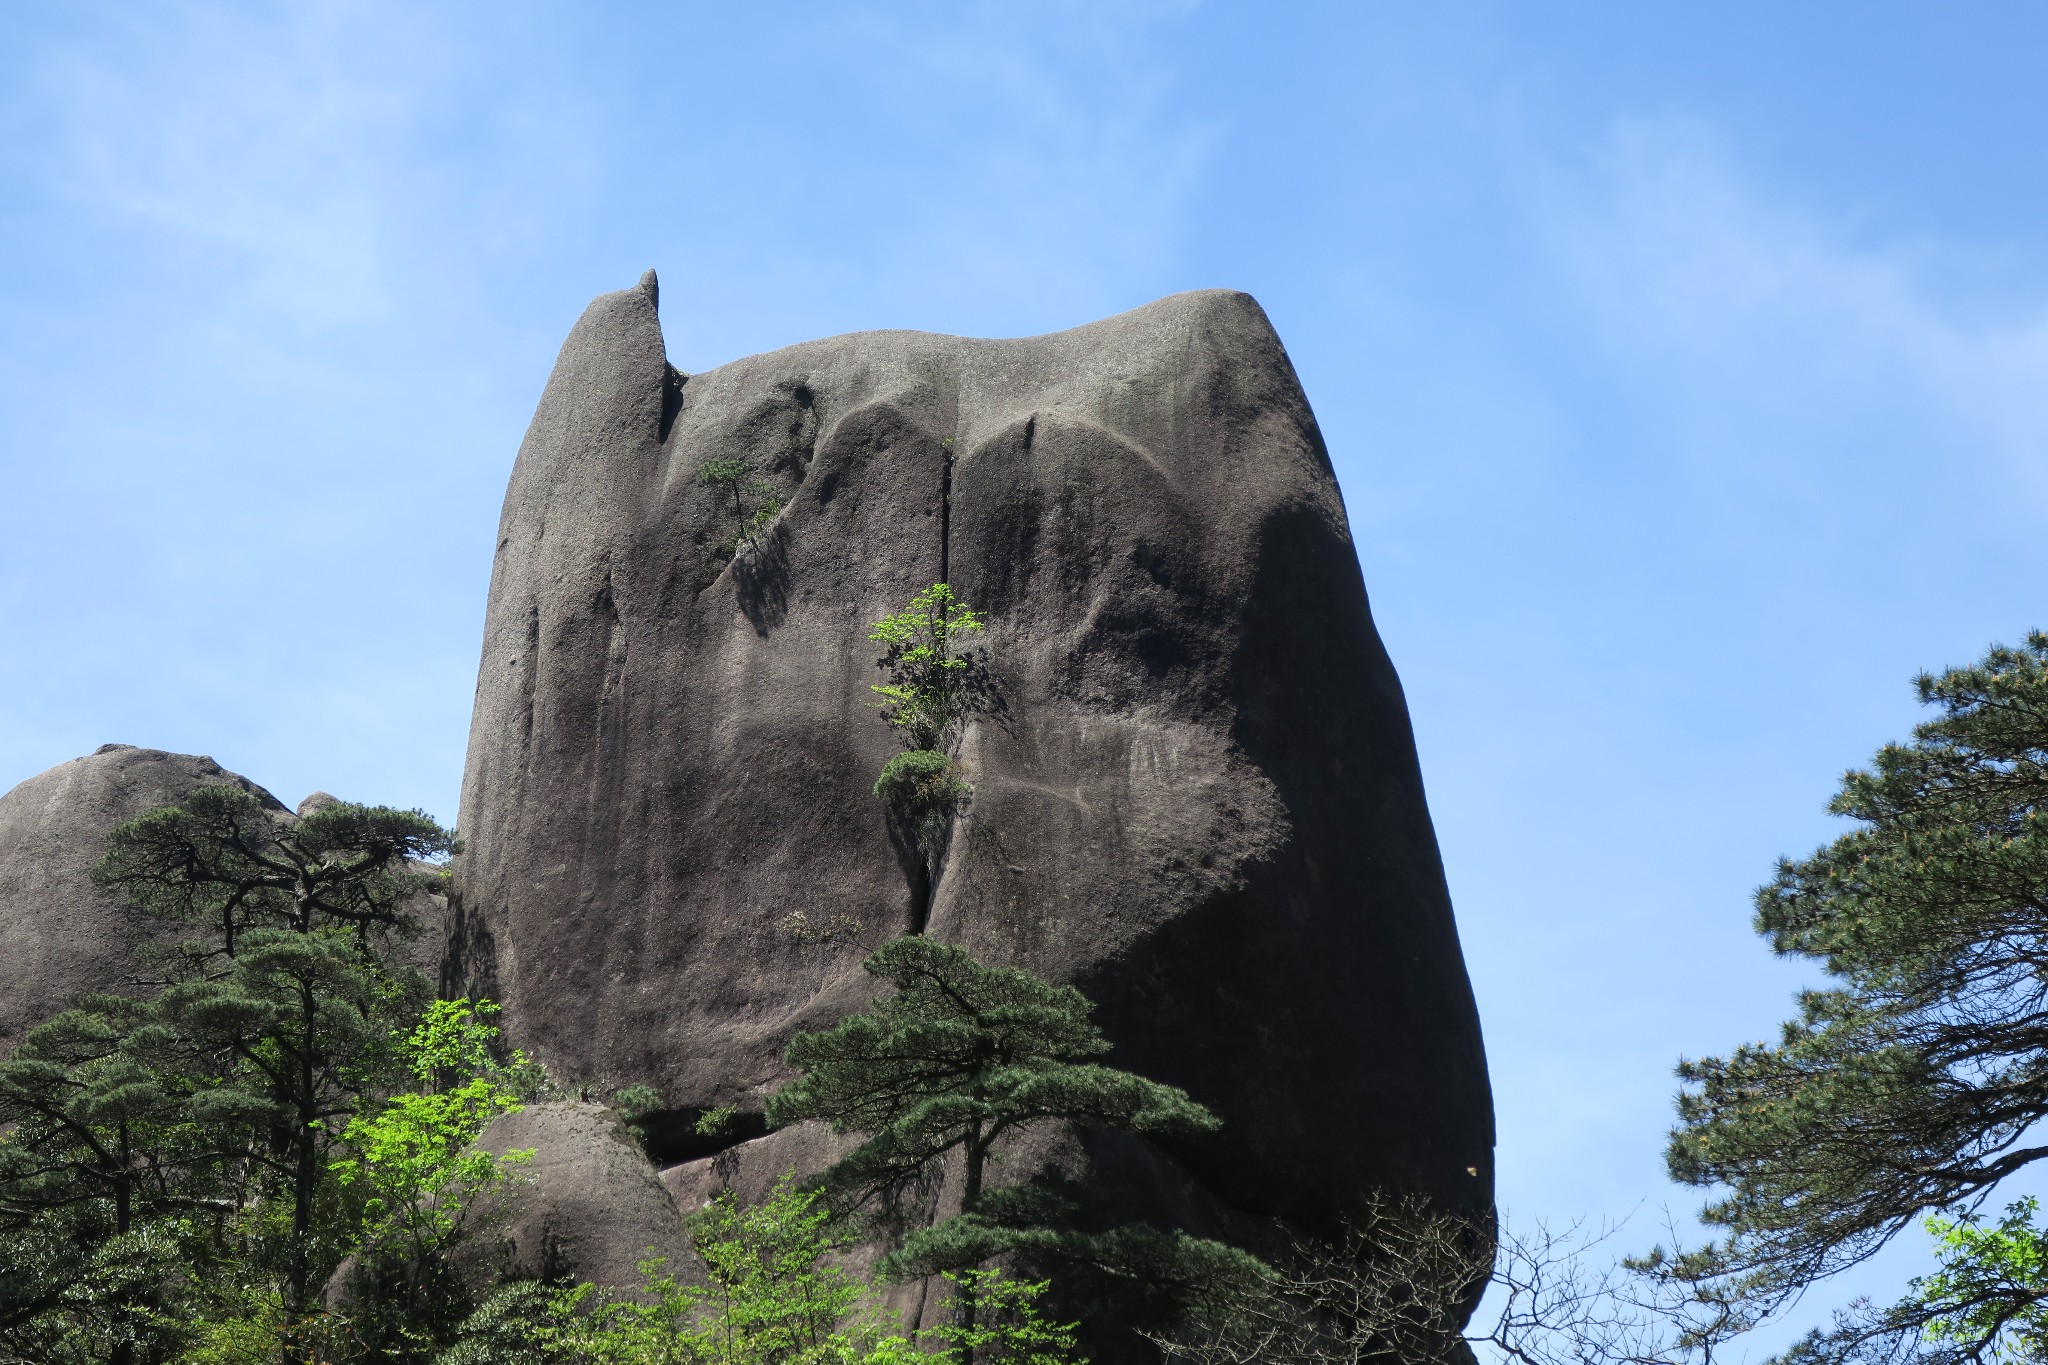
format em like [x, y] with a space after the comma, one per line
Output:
[1913, 1082]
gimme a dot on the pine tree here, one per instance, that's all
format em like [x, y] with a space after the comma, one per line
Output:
[95, 1149]
[222, 857]
[957, 1058]
[286, 1011]
[736, 477]
[1916, 1081]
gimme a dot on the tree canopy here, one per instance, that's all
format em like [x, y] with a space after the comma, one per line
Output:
[1914, 1080]
[928, 677]
[956, 1058]
[222, 857]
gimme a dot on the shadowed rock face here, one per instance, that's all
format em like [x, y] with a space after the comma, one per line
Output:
[60, 937]
[1195, 788]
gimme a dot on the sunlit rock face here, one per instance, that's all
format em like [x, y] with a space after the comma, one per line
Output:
[60, 936]
[1195, 791]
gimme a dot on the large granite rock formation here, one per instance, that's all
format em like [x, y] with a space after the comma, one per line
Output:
[60, 937]
[1195, 790]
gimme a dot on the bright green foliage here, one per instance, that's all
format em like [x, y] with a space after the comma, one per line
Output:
[658, 1328]
[1992, 1286]
[931, 685]
[956, 1059]
[769, 1297]
[1909, 1084]
[926, 692]
[411, 1161]
[1009, 1327]
[754, 503]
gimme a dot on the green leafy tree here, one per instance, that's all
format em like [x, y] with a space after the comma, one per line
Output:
[957, 1058]
[1990, 1296]
[412, 1164]
[754, 502]
[1917, 1079]
[1006, 1325]
[768, 1294]
[928, 682]
[931, 685]
[768, 1297]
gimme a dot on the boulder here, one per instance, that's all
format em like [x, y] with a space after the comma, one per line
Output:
[1195, 789]
[60, 936]
[587, 1204]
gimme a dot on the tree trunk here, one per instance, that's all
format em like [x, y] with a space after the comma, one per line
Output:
[970, 1195]
[124, 1351]
[307, 1169]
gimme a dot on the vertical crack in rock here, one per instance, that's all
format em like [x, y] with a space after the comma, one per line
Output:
[946, 517]
[672, 381]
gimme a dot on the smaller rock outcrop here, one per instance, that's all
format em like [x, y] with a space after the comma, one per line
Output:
[588, 1205]
[60, 936]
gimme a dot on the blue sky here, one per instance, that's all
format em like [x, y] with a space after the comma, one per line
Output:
[1686, 370]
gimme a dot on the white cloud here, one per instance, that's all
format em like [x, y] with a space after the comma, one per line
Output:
[261, 147]
[1732, 300]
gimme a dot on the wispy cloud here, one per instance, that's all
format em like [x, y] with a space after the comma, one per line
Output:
[1059, 162]
[258, 144]
[1739, 303]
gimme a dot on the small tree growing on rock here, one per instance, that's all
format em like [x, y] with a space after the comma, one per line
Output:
[929, 689]
[754, 503]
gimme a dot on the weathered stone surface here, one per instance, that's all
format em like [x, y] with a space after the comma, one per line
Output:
[60, 937]
[751, 1169]
[1196, 795]
[587, 1205]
